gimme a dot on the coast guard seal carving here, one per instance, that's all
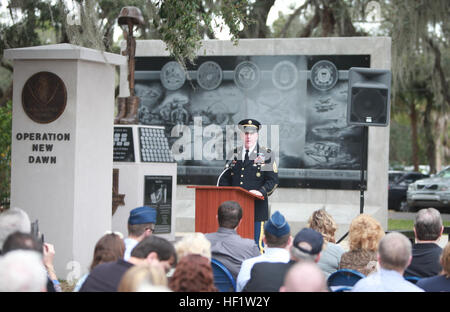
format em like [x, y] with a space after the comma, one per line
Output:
[324, 75]
[44, 97]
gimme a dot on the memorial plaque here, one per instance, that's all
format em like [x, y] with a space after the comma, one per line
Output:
[154, 146]
[44, 97]
[158, 194]
[123, 144]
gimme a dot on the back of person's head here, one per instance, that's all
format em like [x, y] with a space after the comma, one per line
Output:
[277, 231]
[394, 251]
[193, 273]
[445, 260]
[161, 246]
[193, 243]
[140, 276]
[109, 248]
[229, 214]
[307, 245]
[13, 220]
[365, 233]
[304, 277]
[323, 222]
[22, 271]
[428, 224]
[141, 220]
[23, 241]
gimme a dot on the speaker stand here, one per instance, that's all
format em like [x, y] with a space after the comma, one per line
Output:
[362, 184]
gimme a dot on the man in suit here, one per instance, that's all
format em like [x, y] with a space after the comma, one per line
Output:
[253, 168]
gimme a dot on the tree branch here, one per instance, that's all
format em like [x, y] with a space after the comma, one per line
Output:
[295, 14]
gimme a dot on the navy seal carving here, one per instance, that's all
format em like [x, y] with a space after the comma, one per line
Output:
[324, 75]
[172, 76]
[247, 75]
[209, 75]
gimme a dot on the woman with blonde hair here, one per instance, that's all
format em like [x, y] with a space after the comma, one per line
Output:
[193, 243]
[323, 222]
[364, 235]
[144, 278]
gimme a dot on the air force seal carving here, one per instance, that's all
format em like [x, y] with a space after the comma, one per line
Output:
[284, 75]
[209, 75]
[172, 76]
[324, 75]
[247, 75]
[44, 97]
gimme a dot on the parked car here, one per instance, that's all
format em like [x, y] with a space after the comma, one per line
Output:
[431, 192]
[398, 186]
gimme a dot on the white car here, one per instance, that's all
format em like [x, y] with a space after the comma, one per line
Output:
[430, 192]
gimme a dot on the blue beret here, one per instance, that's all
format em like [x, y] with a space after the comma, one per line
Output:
[142, 215]
[277, 225]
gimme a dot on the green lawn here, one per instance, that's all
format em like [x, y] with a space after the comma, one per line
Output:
[405, 224]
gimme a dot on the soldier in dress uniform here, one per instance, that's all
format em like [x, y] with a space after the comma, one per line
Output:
[253, 168]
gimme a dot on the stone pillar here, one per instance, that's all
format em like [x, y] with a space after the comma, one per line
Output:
[62, 134]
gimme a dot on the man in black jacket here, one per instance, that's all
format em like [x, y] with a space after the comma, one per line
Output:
[253, 168]
[426, 252]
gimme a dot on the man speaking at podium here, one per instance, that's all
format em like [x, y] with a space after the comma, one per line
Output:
[253, 168]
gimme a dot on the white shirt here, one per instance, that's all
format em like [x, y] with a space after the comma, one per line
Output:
[250, 150]
[385, 281]
[129, 245]
[270, 255]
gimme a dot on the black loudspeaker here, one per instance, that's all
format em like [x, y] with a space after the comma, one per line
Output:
[369, 92]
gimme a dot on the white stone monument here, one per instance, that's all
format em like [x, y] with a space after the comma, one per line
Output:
[297, 204]
[62, 134]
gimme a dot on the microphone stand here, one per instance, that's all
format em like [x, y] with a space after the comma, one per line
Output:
[227, 167]
[362, 184]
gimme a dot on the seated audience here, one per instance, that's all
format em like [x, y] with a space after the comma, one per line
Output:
[278, 241]
[13, 220]
[109, 248]
[22, 271]
[193, 243]
[426, 251]
[331, 253]
[269, 276]
[151, 250]
[144, 278]
[304, 277]
[25, 241]
[141, 224]
[364, 234]
[226, 245]
[394, 255]
[193, 273]
[439, 282]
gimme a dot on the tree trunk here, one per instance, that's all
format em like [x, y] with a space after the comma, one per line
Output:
[429, 137]
[414, 140]
[258, 15]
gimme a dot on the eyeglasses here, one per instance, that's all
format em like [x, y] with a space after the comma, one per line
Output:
[151, 229]
[115, 233]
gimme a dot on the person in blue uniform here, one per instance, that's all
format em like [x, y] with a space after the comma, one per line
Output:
[253, 168]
